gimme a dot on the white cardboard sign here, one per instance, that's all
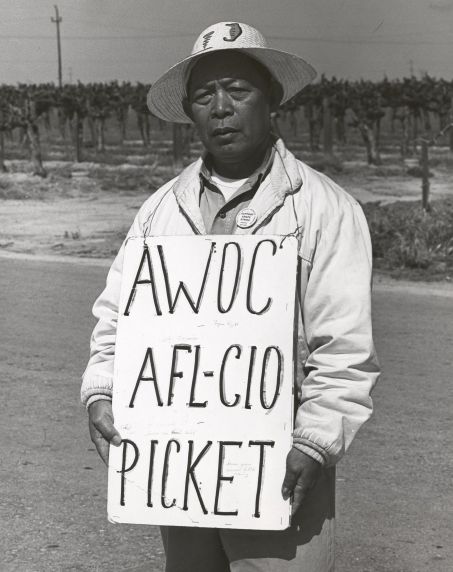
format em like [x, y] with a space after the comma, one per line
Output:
[203, 383]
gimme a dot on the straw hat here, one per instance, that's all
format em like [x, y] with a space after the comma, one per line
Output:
[167, 93]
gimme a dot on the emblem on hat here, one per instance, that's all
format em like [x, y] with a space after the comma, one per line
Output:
[246, 218]
[235, 32]
[206, 39]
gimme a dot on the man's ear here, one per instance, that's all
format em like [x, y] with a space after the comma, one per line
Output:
[187, 108]
[276, 94]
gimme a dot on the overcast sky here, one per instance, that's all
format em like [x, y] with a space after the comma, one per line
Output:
[138, 39]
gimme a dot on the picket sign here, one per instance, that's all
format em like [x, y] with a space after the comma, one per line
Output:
[203, 382]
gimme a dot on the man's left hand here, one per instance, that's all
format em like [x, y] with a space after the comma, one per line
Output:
[302, 472]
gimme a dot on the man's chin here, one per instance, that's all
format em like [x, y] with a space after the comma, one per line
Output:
[227, 152]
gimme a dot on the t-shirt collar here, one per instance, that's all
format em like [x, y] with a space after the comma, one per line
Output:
[253, 181]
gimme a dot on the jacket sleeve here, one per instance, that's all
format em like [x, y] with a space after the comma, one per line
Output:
[341, 368]
[97, 380]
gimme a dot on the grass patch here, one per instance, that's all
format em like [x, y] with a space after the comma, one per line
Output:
[411, 243]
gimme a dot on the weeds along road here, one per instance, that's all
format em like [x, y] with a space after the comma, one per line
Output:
[394, 486]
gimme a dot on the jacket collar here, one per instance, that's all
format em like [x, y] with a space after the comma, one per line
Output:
[255, 178]
[283, 179]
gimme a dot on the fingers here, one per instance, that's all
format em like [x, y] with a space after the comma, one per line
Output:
[102, 447]
[295, 487]
[105, 427]
[102, 430]
[301, 475]
[300, 492]
[290, 480]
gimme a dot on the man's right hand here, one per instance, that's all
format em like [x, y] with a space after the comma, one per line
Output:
[102, 431]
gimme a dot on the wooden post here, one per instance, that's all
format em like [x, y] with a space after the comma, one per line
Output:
[57, 20]
[425, 175]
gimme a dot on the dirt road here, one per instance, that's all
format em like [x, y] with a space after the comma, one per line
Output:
[394, 487]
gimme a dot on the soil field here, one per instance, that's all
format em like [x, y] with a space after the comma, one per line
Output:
[84, 209]
[394, 511]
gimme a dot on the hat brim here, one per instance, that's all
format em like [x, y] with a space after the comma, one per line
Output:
[167, 94]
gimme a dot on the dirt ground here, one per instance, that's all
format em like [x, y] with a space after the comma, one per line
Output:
[84, 209]
[394, 488]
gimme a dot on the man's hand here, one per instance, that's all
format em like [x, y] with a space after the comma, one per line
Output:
[102, 431]
[302, 472]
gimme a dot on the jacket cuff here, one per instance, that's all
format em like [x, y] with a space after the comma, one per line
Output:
[98, 397]
[312, 449]
[95, 386]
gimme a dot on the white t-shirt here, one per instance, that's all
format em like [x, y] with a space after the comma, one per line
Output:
[226, 186]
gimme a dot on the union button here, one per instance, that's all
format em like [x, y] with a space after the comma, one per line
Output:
[246, 218]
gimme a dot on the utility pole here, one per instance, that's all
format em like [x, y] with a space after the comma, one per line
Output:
[57, 21]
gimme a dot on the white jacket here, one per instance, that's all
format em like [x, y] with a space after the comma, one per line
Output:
[340, 363]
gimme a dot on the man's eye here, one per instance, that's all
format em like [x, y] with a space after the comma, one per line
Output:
[238, 92]
[202, 98]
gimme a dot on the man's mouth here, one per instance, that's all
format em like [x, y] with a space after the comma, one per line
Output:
[223, 131]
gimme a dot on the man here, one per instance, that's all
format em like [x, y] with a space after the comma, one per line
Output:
[248, 182]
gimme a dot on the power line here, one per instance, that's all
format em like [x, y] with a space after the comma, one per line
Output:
[327, 40]
[154, 36]
[364, 41]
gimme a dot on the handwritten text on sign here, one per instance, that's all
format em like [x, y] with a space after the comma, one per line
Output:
[203, 381]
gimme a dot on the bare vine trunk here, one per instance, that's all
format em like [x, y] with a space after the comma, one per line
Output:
[313, 127]
[404, 138]
[327, 138]
[78, 133]
[2, 145]
[378, 133]
[392, 120]
[187, 139]
[100, 133]
[47, 124]
[124, 122]
[341, 129]
[2, 152]
[414, 132]
[293, 122]
[92, 131]
[35, 149]
[144, 130]
[450, 138]
[372, 150]
[178, 146]
[62, 124]
[426, 120]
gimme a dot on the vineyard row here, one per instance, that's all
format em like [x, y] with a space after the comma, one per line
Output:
[329, 106]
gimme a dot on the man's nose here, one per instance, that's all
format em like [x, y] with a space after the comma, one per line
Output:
[221, 105]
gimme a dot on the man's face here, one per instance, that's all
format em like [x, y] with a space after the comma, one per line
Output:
[229, 100]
